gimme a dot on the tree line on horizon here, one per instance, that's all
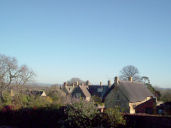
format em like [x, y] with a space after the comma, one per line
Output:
[13, 74]
[77, 113]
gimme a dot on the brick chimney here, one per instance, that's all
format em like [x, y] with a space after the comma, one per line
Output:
[100, 83]
[109, 83]
[77, 83]
[73, 84]
[87, 82]
[116, 82]
[130, 79]
[65, 84]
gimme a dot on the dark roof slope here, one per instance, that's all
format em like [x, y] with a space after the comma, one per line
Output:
[134, 91]
[97, 90]
[151, 101]
[37, 92]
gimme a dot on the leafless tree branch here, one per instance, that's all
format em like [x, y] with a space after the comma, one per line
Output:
[130, 71]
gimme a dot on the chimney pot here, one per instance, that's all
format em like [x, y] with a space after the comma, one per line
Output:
[65, 84]
[130, 79]
[109, 83]
[77, 83]
[87, 82]
[116, 80]
[100, 83]
[73, 84]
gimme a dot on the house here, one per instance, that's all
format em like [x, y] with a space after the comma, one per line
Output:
[130, 96]
[68, 88]
[38, 93]
[93, 90]
[81, 92]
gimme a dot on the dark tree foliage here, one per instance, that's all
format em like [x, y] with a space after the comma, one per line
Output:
[165, 94]
[145, 79]
[154, 91]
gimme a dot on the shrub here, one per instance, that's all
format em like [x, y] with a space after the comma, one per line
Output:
[20, 100]
[6, 98]
[80, 114]
[97, 99]
[39, 101]
[115, 117]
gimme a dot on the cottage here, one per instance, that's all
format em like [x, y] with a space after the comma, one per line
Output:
[94, 90]
[38, 93]
[69, 88]
[130, 96]
[81, 92]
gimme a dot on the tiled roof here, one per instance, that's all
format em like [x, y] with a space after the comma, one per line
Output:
[98, 90]
[134, 91]
[151, 101]
[85, 91]
[36, 92]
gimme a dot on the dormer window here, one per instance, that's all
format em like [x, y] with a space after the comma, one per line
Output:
[78, 95]
[100, 90]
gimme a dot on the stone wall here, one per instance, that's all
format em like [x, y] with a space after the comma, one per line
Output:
[117, 98]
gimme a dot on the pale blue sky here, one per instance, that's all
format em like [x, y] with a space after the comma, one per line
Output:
[90, 39]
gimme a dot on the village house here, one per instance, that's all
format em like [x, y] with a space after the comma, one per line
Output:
[81, 92]
[38, 93]
[86, 91]
[130, 96]
[68, 88]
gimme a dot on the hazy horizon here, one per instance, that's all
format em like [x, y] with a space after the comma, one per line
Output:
[92, 40]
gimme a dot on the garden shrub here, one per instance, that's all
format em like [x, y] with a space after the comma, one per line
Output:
[6, 98]
[115, 117]
[80, 114]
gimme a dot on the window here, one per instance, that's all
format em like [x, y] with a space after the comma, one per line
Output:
[100, 90]
[78, 94]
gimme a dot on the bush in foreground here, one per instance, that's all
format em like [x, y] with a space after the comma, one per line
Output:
[79, 114]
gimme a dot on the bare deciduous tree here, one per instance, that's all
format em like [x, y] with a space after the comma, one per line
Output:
[130, 71]
[24, 75]
[11, 73]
